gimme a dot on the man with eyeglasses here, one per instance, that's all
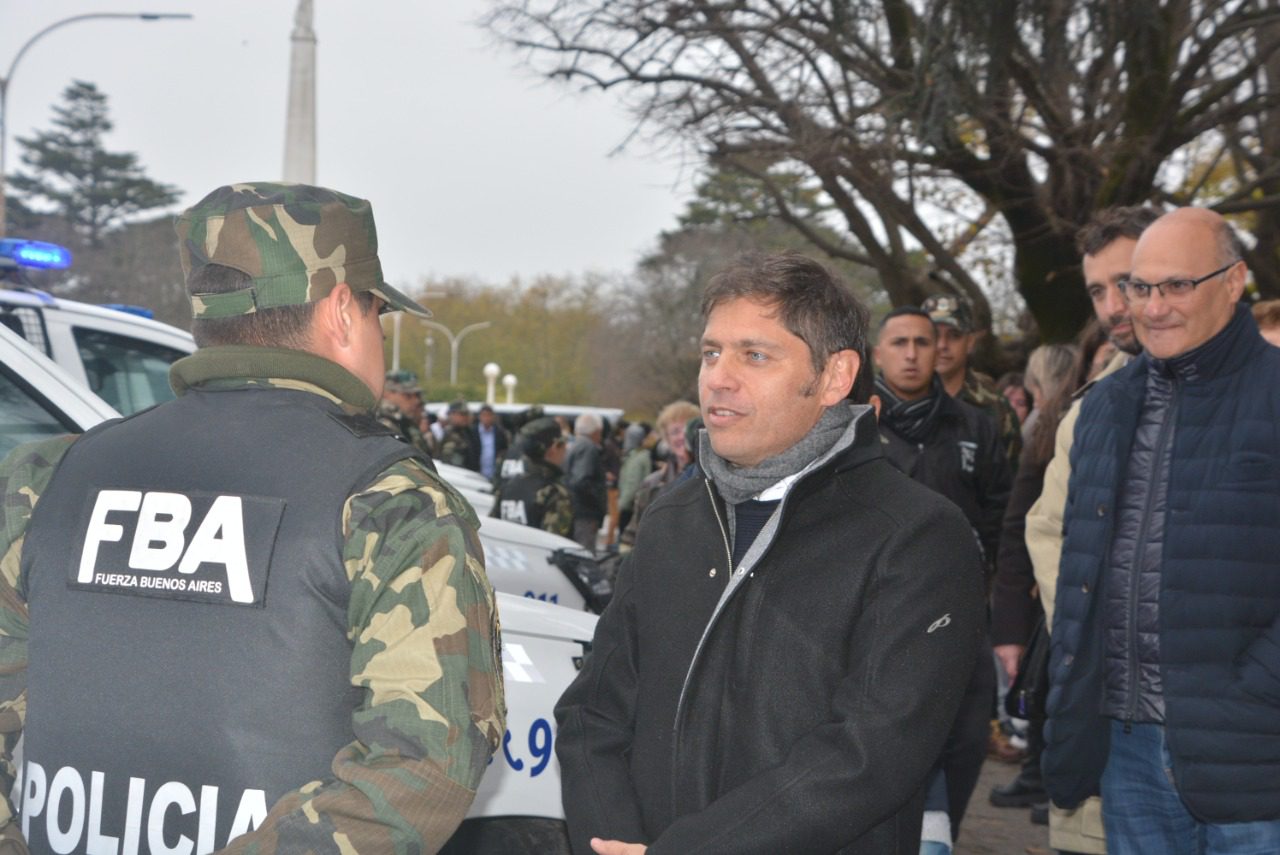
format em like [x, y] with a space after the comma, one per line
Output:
[1165, 664]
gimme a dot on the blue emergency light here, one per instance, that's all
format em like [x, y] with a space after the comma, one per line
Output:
[140, 311]
[35, 254]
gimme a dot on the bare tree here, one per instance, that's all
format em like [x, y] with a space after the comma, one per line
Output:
[924, 121]
[656, 319]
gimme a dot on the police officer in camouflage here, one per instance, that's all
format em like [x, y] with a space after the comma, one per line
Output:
[251, 619]
[459, 446]
[953, 320]
[538, 497]
[401, 410]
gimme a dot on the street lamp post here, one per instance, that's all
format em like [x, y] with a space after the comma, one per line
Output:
[454, 342]
[491, 372]
[396, 318]
[510, 382]
[8, 76]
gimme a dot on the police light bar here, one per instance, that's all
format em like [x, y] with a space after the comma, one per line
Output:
[35, 254]
[140, 311]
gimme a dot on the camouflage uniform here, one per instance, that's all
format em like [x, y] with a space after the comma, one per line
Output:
[388, 412]
[421, 622]
[980, 391]
[391, 416]
[458, 447]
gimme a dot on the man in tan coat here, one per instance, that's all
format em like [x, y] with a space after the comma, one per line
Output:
[1106, 244]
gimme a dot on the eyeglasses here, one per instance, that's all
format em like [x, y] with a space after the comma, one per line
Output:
[1137, 291]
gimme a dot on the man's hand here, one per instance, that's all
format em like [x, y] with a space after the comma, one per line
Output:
[616, 847]
[1009, 654]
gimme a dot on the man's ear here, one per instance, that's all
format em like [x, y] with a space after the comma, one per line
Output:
[838, 376]
[333, 323]
[1237, 277]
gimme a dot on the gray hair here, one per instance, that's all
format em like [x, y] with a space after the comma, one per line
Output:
[587, 424]
[1230, 248]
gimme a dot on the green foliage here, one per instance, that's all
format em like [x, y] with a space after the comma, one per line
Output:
[545, 332]
[70, 171]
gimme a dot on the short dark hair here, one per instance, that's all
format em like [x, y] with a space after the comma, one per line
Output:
[281, 326]
[1110, 224]
[812, 303]
[906, 311]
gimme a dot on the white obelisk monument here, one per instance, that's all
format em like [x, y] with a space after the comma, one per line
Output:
[300, 126]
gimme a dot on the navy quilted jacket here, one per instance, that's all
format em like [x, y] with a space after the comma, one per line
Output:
[1219, 598]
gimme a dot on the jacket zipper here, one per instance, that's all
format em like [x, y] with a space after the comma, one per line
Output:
[1135, 576]
[675, 724]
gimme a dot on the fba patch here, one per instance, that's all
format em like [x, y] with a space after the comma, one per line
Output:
[204, 547]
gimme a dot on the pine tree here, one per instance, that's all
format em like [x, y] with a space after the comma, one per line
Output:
[69, 170]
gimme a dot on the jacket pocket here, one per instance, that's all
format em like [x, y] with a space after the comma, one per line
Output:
[1251, 471]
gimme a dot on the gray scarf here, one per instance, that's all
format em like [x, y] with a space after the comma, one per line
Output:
[737, 484]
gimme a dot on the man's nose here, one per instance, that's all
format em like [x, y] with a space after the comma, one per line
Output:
[718, 374]
[1114, 304]
[1156, 305]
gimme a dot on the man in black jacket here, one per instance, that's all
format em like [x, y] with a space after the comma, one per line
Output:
[946, 444]
[1165, 663]
[789, 640]
[953, 448]
[584, 476]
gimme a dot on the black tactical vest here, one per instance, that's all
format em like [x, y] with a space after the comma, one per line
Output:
[518, 500]
[189, 661]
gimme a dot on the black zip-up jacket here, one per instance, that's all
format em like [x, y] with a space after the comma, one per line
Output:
[1132, 613]
[803, 714]
[961, 458]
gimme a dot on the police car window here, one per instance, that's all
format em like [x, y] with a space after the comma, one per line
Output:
[128, 373]
[27, 322]
[24, 416]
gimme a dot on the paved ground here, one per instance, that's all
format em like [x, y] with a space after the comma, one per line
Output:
[991, 830]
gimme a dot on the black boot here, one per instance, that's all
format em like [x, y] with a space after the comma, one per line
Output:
[1028, 788]
[1023, 791]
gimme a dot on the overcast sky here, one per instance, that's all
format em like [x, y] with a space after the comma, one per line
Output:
[474, 166]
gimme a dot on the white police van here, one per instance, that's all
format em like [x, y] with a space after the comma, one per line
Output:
[517, 807]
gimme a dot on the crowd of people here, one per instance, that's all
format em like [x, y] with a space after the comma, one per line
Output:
[843, 564]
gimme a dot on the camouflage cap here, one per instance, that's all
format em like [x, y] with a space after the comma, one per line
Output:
[949, 310]
[543, 432]
[405, 382]
[295, 241]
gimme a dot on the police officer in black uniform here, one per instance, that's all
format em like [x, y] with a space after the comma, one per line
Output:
[538, 497]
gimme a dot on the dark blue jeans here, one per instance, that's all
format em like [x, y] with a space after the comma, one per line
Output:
[1143, 813]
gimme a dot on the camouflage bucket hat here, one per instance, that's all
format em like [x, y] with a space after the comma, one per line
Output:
[402, 381]
[949, 310]
[295, 241]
